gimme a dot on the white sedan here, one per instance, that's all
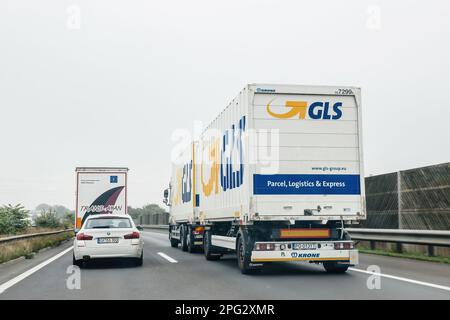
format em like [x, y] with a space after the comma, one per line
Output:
[108, 236]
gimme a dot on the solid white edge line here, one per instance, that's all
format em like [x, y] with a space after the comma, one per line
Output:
[422, 283]
[8, 284]
[165, 256]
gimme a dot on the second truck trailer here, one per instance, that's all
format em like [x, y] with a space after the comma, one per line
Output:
[277, 176]
[100, 190]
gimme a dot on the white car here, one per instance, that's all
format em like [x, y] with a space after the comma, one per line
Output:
[108, 236]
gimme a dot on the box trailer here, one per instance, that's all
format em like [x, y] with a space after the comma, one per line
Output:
[100, 191]
[275, 177]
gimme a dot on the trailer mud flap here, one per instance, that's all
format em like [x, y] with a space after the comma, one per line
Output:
[354, 257]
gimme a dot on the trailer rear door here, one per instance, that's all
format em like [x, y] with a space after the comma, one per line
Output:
[308, 155]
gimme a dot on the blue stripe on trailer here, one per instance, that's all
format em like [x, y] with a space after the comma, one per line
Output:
[306, 184]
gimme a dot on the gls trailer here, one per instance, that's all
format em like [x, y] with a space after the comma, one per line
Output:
[275, 177]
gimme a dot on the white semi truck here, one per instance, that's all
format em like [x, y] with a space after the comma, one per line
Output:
[100, 190]
[277, 176]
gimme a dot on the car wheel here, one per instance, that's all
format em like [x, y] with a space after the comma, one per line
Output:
[78, 263]
[140, 260]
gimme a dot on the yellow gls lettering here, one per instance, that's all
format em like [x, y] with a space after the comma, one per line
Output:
[213, 182]
[178, 188]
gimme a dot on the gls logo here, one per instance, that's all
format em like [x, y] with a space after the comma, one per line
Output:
[316, 111]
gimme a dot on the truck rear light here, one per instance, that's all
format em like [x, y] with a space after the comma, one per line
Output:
[82, 236]
[349, 245]
[134, 235]
[264, 246]
[199, 230]
[343, 245]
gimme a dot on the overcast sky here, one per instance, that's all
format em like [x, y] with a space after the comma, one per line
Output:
[105, 82]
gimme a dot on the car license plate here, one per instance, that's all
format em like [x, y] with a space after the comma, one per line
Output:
[306, 246]
[107, 240]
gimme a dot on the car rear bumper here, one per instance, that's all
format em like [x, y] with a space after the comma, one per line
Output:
[349, 257]
[132, 251]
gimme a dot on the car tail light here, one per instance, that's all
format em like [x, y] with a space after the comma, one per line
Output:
[134, 235]
[343, 245]
[199, 230]
[82, 236]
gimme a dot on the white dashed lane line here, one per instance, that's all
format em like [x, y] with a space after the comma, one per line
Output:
[165, 256]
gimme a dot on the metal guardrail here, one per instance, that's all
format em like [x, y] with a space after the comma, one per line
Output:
[423, 237]
[32, 235]
[155, 226]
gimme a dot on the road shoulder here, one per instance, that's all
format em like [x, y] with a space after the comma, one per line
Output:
[13, 268]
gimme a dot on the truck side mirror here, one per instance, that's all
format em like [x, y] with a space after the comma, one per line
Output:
[166, 197]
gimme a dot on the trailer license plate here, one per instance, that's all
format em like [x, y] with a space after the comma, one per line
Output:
[306, 246]
[107, 240]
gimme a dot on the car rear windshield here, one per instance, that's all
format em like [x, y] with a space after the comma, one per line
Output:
[108, 223]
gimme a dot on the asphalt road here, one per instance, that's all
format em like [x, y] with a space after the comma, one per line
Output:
[174, 274]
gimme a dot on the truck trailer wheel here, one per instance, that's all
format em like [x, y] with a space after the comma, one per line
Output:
[244, 252]
[173, 242]
[190, 240]
[183, 238]
[207, 247]
[334, 267]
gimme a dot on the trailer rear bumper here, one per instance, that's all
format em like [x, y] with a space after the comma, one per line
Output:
[349, 257]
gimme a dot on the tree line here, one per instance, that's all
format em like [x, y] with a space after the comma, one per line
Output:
[16, 219]
[149, 209]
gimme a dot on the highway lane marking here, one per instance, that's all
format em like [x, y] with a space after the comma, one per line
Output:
[20, 277]
[165, 256]
[422, 283]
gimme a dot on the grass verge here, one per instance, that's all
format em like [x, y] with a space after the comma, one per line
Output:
[408, 255]
[28, 247]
